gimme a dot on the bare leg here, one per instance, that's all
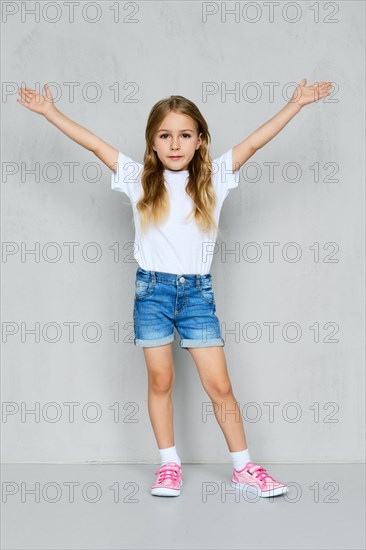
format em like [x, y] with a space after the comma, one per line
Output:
[212, 369]
[159, 363]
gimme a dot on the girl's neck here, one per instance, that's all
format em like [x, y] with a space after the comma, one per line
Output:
[185, 172]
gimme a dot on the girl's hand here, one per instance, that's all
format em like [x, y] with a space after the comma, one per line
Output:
[38, 103]
[303, 95]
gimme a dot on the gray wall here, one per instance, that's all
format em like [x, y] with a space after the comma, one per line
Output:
[313, 369]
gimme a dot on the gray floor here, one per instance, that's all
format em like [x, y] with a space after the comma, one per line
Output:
[113, 508]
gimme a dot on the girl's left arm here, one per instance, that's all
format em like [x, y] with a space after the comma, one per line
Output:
[303, 95]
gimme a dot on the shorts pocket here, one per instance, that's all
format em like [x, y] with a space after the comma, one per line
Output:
[207, 292]
[143, 288]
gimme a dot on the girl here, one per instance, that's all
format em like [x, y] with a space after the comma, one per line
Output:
[176, 197]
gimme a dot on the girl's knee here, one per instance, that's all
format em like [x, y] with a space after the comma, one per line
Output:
[220, 389]
[161, 382]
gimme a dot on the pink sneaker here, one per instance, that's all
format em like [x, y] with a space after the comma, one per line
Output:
[255, 479]
[169, 480]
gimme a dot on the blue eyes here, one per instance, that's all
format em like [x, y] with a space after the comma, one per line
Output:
[187, 135]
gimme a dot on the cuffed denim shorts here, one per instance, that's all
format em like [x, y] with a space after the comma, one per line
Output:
[167, 300]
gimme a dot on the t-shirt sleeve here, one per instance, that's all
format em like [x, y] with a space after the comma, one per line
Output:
[224, 178]
[127, 178]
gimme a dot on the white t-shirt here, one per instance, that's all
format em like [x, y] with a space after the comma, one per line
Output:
[176, 246]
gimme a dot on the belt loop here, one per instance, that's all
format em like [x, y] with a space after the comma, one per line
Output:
[198, 280]
[153, 277]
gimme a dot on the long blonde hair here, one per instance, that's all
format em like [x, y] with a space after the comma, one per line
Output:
[153, 204]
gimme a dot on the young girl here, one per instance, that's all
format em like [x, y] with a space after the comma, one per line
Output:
[176, 197]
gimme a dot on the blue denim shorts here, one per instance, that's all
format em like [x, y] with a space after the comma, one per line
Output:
[167, 300]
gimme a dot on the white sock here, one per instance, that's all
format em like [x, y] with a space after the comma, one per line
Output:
[169, 455]
[240, 458]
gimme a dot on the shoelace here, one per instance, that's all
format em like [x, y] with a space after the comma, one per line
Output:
[167, 472]
[258, 472]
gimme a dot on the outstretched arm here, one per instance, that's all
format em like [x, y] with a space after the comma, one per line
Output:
[44, 105]
[303, 95]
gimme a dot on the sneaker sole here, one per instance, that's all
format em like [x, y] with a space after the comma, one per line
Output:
[258, 492]
[165, 491]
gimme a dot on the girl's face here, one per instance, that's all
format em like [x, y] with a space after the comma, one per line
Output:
[176, 136]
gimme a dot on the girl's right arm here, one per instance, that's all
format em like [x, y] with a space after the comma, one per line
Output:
[44, 105]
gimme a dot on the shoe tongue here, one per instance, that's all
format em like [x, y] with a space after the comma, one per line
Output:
[256, 468]
[253, 469]
[171, 465]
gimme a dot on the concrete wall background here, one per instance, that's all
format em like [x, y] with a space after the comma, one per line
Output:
[316, 384]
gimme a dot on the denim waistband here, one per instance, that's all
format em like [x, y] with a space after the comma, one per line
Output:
[174, 278]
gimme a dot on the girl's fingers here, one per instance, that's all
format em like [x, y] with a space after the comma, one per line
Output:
[27, 95]
[28, 90]
[24, 97]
